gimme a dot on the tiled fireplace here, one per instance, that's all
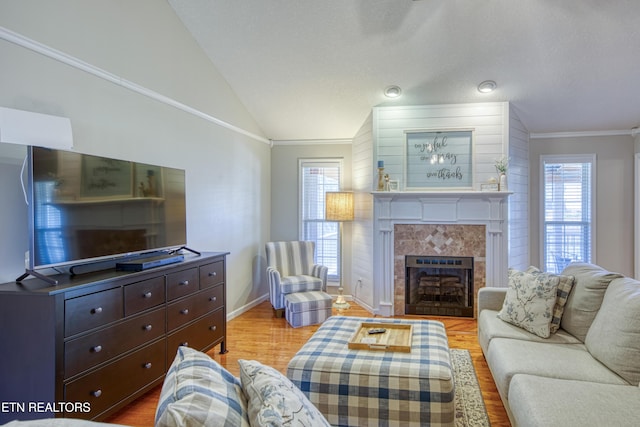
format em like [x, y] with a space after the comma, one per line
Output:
[433, 226]
[439, 250]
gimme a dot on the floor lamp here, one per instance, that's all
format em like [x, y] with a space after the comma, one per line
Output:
[339, 208]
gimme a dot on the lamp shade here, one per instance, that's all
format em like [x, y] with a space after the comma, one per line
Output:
[339, 206]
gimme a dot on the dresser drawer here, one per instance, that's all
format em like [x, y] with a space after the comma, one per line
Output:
[182, 283]
[198, 335]
[110, 384]
[90, 350]
[143, 295]
[213, 298]
[182, 312]
[187, 309]
[211, 274]
[93, 310]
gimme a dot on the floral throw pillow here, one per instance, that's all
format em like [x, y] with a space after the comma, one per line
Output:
[565, 284]
[274, 400]
[530, 301]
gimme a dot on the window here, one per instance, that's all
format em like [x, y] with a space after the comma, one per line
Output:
[567, 210]
[316, 178]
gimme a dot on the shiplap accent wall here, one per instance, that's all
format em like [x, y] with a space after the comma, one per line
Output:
[518, 183]
[362, 231]
[498, 133]
[489, 122]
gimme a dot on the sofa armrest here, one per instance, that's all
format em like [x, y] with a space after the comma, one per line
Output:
[491, 298]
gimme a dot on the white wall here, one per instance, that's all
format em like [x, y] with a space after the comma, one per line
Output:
[488, 120]
[13, 243]
[285, 216]
[228, 173]
[518, 183]
[362, 257]
[614, 195]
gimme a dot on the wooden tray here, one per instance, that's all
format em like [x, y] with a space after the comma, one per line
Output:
[396, 338]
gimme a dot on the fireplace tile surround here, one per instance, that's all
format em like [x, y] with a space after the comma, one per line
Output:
[464, 223]
[456, 240]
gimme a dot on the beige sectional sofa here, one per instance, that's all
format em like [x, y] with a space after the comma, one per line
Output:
[585, 374]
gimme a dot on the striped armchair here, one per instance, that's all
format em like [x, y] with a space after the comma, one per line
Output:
[291, 268]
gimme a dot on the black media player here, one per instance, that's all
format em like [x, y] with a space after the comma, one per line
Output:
[147, 263]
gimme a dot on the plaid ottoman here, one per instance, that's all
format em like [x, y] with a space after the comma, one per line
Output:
[373, 387]
[307, 308]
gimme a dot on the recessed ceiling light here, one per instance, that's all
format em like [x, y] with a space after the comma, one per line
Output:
[392, 91]
[487, 86]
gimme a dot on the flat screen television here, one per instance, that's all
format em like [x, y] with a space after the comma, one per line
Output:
[85, 208]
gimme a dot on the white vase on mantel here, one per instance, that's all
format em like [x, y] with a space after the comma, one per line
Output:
[502, 182]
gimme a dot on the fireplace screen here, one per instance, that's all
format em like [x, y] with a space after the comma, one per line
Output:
[441, 286]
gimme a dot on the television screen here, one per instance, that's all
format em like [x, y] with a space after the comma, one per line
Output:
[85, 207]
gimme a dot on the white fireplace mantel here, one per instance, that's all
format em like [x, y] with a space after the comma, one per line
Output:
[437, 207]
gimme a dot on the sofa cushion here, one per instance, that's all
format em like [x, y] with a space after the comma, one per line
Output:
[529, 301]
[274, 400]
[198, 391]
[541, 402]
[490, 326]
[508, 357]
[584, 301]
[565, 284]
[614, 335]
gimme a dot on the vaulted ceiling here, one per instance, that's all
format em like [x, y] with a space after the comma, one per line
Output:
[313, 69]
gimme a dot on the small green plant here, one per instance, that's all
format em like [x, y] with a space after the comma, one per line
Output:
[501, 165]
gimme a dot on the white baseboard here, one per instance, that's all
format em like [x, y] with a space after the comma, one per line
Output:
[365, 306]
[247, 307]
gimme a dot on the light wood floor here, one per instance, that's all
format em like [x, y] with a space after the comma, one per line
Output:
[259, 335]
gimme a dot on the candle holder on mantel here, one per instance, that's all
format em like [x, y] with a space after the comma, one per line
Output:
[381, 180]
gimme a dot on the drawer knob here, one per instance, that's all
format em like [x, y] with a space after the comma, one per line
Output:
[184, 311]
[213, 328]
[213, 274]
[213, 299]
[184, 283]
[147, 327]
[147, 365]
[96, 310]
[147, 295]
[97, 349]
[96, 393]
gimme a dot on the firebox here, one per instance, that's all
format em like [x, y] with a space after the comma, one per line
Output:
[439, 285]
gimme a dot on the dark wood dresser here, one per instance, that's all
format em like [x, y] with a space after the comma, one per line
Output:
[95, 342]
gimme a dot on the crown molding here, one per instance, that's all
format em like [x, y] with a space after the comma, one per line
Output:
[543, 135]
[72, 61]
[310, 141]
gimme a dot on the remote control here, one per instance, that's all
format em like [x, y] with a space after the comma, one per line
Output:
[377, 331]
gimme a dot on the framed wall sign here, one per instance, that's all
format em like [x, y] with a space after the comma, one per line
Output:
[105, 178]
[439, 159]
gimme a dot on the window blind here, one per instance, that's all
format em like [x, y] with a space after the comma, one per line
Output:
[318, 177]
[567, 192]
